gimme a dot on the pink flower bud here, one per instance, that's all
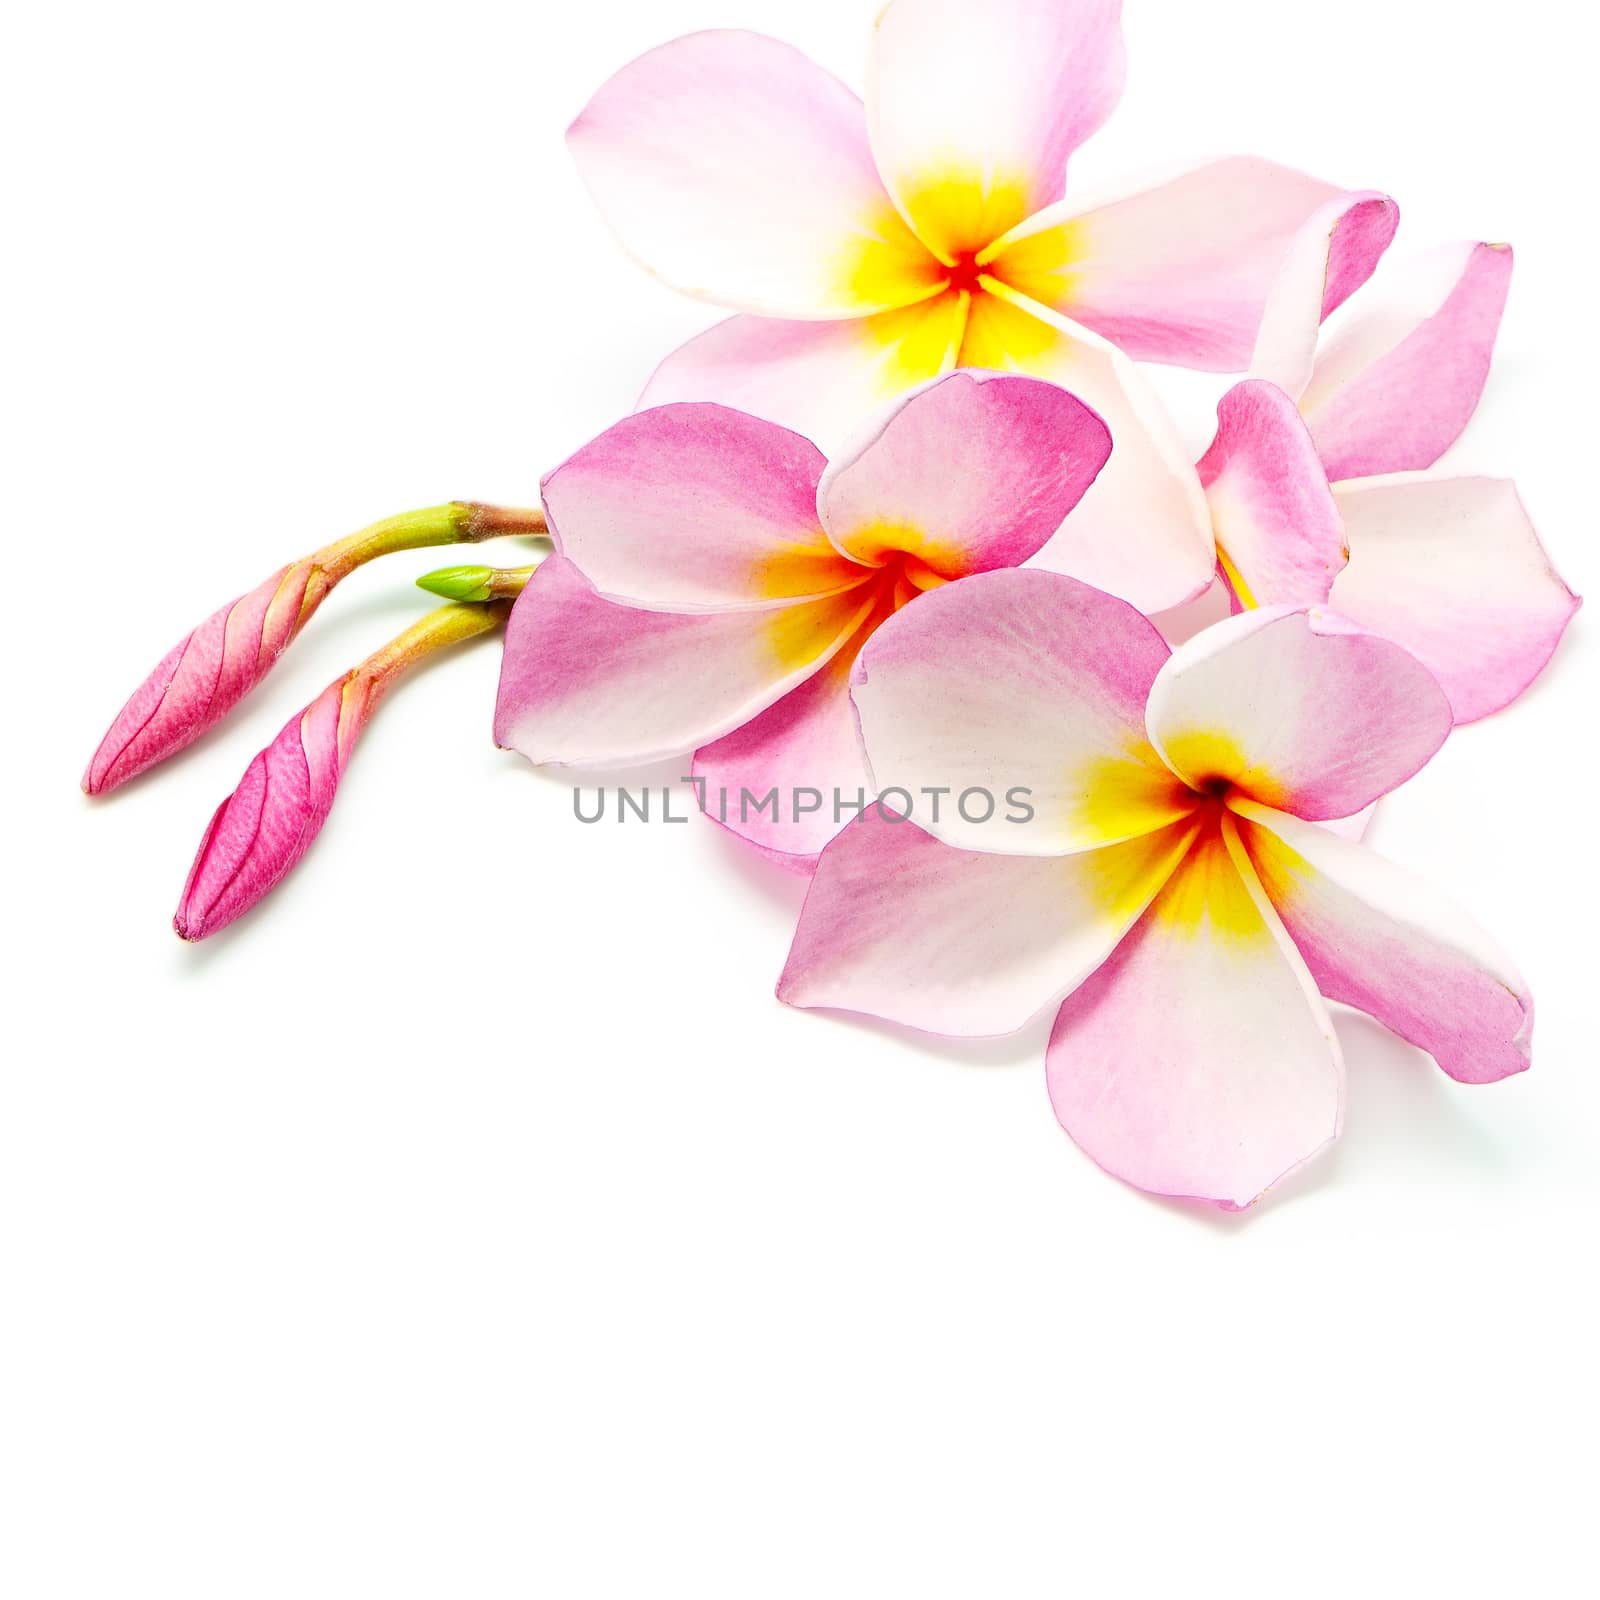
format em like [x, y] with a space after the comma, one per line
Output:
[202, 679]
[263, 828]
[205, 676]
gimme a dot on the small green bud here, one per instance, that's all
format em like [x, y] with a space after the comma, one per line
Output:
[459, 583]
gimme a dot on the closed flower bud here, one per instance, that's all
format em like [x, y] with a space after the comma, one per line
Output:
[202, 678]
[263, 828]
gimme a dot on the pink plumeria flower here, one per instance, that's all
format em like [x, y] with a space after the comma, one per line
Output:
[1175, 897]
[714, 579]
[871, 247]
[1450, 567]
[264, 827]
[212, 668]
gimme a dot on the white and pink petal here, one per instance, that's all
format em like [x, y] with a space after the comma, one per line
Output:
[1199, 1061]
[1018, 695]
[1378, 939]
[1279, 537]
[1299, 708]
[1142, 531]
[1452, 569]
[898, 925]
[972, 471]
[1182, 272]
[587, 681]
[1394, 386]
[737, 170]
[975, 106]
[695, 508]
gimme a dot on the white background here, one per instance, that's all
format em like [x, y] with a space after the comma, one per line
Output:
[470, 1220]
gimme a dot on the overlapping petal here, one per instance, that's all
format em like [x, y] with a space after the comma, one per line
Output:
[1393, 387]
[975, 108]
[587, 681]
[803, 750]
[1181, 272]
[1298, 708]
[739, 171]
[899, 925]
[819, 378]
[1452, 569]
[1019, 682]
[974, 472]
[1199, 1060]
[695, 507]
[1142, 532]
[1279, 536]
[1376, 938]
[1328, 258]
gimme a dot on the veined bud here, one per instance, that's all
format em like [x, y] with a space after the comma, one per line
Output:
[202, 678]
[264, 827]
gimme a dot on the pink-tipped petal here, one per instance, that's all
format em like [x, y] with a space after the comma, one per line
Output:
[900, 926]
[695, 508]
[1376, 938]
[1299, 708]
[199, 681]
[793, 776]
[1394, 386]
[739, 171]
[264, 827]
[975, 106]
[1012, 693]
[587, 681]
[1279, 537]
[819, 378]
[1199, 1060]
[1181, 273]
[1452, 569]
[1328, 258]
[1142, 531]
[973, 471]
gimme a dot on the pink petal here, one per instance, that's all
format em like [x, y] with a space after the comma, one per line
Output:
[1328, 258]
[264, 827]
[901, 926]
[588, 681]
[1199, 1060]
[819, 378]
[1452, 569]
[975, 106]
[1299, 708]
[1027, 690]
[1394, 387]
[1279, 537]
[1181, 273]
[975, 470]
[1378, 939]
[695, 508]
[1142, 532]
[739, 171]
[803, 749]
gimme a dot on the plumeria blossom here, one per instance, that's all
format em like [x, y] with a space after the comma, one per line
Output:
[871, 247]
[264, 827]
[1175, 899]
[1448, 566]
[714, 579]
[214, 666]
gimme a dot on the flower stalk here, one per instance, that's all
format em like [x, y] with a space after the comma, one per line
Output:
[203, 677]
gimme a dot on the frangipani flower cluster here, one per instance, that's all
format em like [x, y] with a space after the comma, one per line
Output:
[871, 247]
[957, 596]
[1174, 893]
